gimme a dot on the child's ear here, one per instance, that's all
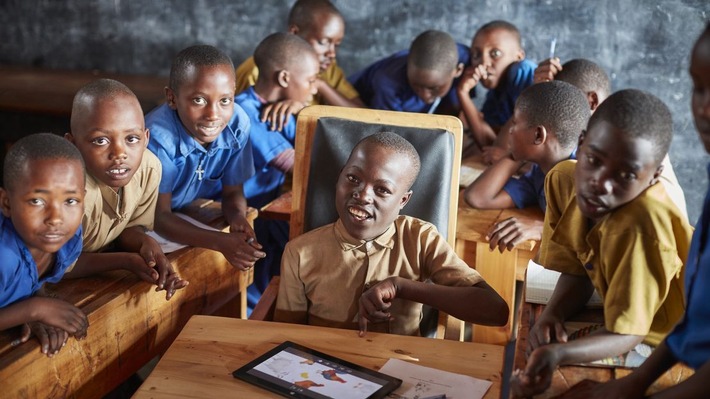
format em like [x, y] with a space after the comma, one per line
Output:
[656, 175]
[4, 202]
[69, 137]
[459, 70]
[540, 135]
[405, 198]
[283, 77]
[520, 55]
[293, 29]
[147, 137]
[593, 99]
[170, 98]
[581, 138]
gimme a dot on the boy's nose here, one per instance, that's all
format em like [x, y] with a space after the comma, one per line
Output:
[212, 111]
[54, 215]
[363, 194]
[118, 150]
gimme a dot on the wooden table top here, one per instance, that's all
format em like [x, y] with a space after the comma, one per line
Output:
[200, 362]
[51, 92]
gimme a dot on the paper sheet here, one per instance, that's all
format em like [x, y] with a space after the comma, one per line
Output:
[168, 246]
[468, 175]
[419, 382]
[540, 283]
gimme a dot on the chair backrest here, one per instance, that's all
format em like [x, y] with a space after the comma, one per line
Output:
[325, 136]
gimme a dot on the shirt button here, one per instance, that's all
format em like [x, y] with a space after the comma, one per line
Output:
[368, 245]
[589, 266]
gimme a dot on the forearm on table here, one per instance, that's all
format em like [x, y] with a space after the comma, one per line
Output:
[600, 344]
[132, 238]
[176, 229]
[571, 294]
[90, 263]
[234, 205]
[486, 192]
[483, 133]
[17, 313]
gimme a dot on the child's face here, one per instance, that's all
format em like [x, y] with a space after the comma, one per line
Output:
[429, 84]
[522, 136]
[495, 49]
[325, 35]
[204, 101]
[302, 79]
[612, 169]
[371, 190]
[700, 73]
[111, 137]
[47, 205]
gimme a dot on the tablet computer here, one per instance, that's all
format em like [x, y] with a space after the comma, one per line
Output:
[296, 371]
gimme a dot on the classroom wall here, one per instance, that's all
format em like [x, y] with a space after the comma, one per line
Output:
[642, 44]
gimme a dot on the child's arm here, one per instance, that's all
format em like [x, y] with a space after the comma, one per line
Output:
[235, 245]
[483, 133]
[334, 97]
[277, 114]
[543, 361]
[490, 308]
[486, 192]
[510, 232]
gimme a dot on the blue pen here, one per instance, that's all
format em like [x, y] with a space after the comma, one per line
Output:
[553, 44]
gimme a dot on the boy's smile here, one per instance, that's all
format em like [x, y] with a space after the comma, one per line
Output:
[612, 170]
[496, 49]
[46, 206]
[371, 190]
[111, 136]
[700, 74]
[204, 101]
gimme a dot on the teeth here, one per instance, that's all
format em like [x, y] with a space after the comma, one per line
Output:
[359, 214]
[118, 171]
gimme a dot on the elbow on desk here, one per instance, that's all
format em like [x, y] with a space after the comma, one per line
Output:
[475, 199]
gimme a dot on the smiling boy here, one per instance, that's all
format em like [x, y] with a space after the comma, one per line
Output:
[42, 206]
[108, 128]
[368, 269]
[609, 226]
[202, 140]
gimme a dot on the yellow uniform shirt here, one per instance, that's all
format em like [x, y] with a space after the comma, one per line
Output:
[247, 74]
[324, 272]
[634, 255]
[107, 213]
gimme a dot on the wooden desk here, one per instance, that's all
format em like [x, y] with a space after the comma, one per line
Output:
[129, 323]
[51, 92]
[200, 361]
[500, 270]
[278, 209]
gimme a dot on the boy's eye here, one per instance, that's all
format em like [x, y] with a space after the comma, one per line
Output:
[495, 53]
[592, 160]
[199, 101]
[627, 176]
[99, 141]
[73, 201]
[133, 139]
[352, 179]
[35, 201]
[383, 191]
[225, 101]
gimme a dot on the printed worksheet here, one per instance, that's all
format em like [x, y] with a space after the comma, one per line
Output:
[419, 382]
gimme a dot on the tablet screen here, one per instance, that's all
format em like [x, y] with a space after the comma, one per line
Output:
[299, 372]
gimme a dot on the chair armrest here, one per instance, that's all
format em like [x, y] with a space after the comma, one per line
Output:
[264, 309]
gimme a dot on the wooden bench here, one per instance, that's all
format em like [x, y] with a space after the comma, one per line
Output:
[130, 323]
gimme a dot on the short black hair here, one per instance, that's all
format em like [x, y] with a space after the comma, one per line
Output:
[398, 144]
[503, 25]
[435, 51]
[280, 51]
[35, 147]
[303, 11]
[587, 76]
[640, 115]
[196, 56]
[559, 106]
[97, 90]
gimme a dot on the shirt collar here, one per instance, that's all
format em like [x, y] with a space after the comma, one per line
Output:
[226, 139]
[349, 243]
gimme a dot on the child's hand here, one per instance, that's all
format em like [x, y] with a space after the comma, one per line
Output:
[240, 249]
[51, 339]
[138, 265]
[537, 376]
[542, 331]
[60, 314]
[375, 302]
[547, 70]
[276, 114]
[165, 277]
[493, 154]
[470, 78]
[512, 231]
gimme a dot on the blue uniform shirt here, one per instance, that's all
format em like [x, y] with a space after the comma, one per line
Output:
[18, 270]
[500, 102]
[226, 162]
[266, 144]
[384, 85]
[690, 340]
[529, 189]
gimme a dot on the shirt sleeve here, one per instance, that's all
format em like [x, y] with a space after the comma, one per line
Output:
[144, 214]
[336, 79]
[442, 264]
[246, 75]
[291, 303]
[521, 191]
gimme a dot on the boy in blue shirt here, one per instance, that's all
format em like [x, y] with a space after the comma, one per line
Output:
[42, 206]
[498, 63]
[289, 71]
[420, 79]
[546, 124]
[202, 140]
[689, 342]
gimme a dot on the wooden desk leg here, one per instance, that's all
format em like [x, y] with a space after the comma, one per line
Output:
[499, 271]
[245, 279]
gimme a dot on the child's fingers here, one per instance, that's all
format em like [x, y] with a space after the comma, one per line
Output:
[24, 335]
[362, 325]
[560, 332]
